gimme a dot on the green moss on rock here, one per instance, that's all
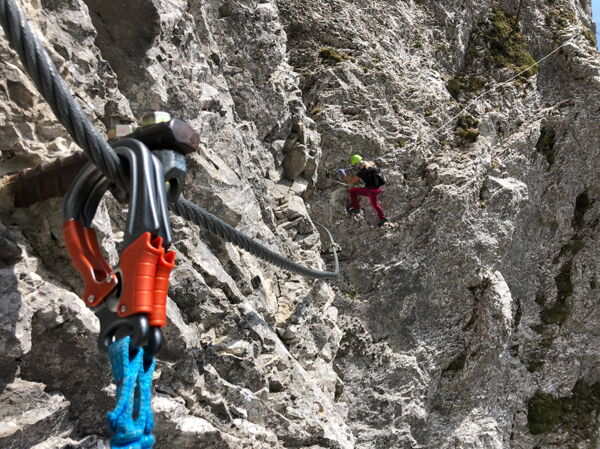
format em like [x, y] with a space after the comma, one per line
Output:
[562, 17]
[576, 414]
[507, 45]
[556, 314]
[544, 413]
[466, 127]
[464, 83]
[330, 54]
[590, 36]
[564, 286]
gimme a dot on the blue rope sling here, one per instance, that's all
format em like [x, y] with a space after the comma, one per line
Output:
[132, 420]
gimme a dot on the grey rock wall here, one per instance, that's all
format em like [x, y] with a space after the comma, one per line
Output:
[469, 321]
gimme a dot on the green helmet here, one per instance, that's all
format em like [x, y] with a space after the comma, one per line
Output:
[356, 159]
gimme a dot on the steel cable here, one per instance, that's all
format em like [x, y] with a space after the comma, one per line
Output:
[50, 84]
[196, 214]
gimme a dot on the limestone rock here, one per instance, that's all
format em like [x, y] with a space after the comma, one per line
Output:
[463, 323]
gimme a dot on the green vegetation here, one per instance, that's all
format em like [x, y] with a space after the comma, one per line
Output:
[556, 314]
[466, 127]
[562, 17]
[573, 247]
[547, 342]
[545, 144]
[518, 313]
[329, 54]
[560, 310]
[464, 83]
[507, 45]
[589, 35]
[575, 415]
[543, 413]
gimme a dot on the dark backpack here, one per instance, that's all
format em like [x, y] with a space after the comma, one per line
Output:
[373, 177]
[379, 177]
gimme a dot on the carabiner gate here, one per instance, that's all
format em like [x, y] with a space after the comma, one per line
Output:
[130, 299]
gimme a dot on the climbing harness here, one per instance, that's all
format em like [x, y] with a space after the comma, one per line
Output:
[146, 169]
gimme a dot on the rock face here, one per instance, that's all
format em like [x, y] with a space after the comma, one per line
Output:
[470, 321]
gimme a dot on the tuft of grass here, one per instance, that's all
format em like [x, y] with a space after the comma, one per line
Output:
[562, 17]
[470, 134]
[466, 127]
[464, 83]
[507, 45]
[589, 35]
[332, 55]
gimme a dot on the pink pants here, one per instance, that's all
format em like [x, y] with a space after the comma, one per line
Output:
[355, 192]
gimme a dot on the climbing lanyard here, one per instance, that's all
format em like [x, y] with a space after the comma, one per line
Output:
[132, 420]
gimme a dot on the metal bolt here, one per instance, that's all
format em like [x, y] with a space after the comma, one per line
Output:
[155, 117]
[119, 131]
[91, 298]
[123, 308]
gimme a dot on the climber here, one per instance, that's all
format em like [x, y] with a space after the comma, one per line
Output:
[371, 175]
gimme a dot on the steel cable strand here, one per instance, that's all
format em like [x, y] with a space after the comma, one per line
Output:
[190, 211]
[49, 83]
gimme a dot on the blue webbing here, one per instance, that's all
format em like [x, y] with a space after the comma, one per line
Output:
[131, 421]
